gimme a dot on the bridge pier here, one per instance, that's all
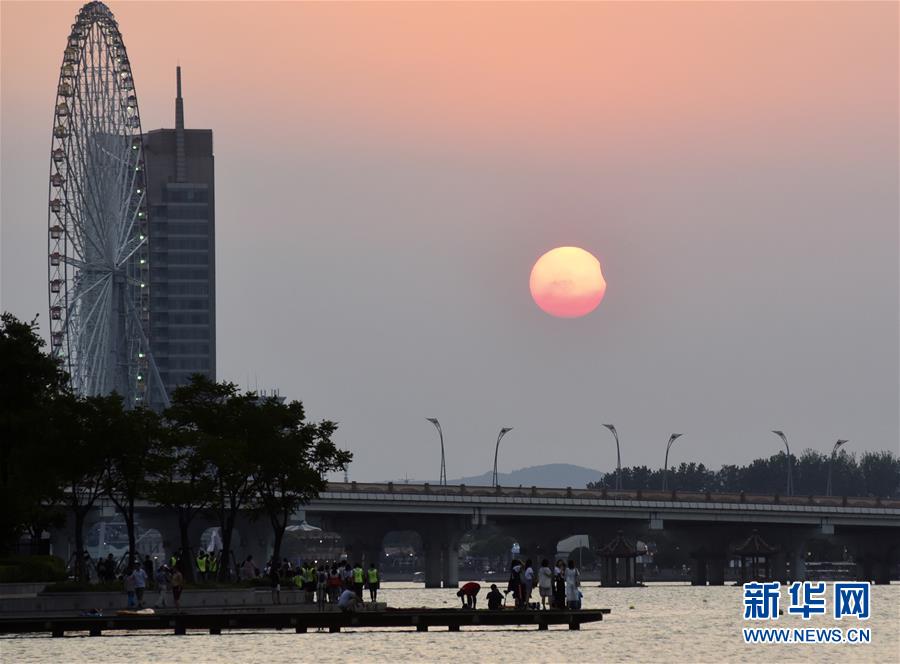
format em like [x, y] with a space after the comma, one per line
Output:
[715, 570]
[450, 565]
[778, 570]
[875, 569]
[432, 565]
[698, 574]
[608, 572]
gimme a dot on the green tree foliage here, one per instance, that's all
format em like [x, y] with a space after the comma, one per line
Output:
[881, 473]
[131, 437]
[290, 459]
[875, 474]
[30, 384]
[211, 412]
[81, 434]
[180, 481]
[258, 454]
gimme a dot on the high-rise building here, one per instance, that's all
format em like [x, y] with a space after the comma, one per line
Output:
[182, 232]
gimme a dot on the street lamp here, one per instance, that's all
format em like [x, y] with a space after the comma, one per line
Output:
[834, 450]
[790, 477]
[503, 432]
[618, 457]
[672, 439]
[437, 425]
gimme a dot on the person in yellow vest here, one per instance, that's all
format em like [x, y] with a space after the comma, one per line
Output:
[373, 581]
[358, 579]
[309, 581]
[298, 579]
[201, 564]
[212, 565]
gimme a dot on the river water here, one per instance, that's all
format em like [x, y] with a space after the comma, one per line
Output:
[659, 623]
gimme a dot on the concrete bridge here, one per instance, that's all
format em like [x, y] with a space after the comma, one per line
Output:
[707, 525]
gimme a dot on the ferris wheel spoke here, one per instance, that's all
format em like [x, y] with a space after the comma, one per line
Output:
[74, 262]
[88, 200]
[89, 325]
[129, 250]
[101, 351]
[128, 241]
[98, 283]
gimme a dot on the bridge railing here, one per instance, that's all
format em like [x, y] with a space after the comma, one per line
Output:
[610, 494]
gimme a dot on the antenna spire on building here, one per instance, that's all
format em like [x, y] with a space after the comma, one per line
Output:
[180, 169]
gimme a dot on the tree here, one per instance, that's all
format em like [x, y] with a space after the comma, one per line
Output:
[180, 481]
[693, 477]
[291, 457]
[130, 439]
[77, 459]
[881, 473]
[30, 384]
[213, 412]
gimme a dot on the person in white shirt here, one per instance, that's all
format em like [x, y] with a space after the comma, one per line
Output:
[573, 586]
[528, 580]
[347, 601]
[545, 583]
[140, 584]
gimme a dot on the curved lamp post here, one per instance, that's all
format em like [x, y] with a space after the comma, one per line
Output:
[503, 432]
[437, 425]
[834, 450]
[790, 476]
[618, 457]
[672, 439]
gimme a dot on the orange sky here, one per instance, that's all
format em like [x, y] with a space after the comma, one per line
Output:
[387, 174]
[510, 73]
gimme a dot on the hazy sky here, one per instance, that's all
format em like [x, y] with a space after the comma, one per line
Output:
[388, 173]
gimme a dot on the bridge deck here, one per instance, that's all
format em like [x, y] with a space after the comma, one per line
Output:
[214, 623]
[569, 493]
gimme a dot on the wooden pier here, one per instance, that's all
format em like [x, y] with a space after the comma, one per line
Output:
[300, 622]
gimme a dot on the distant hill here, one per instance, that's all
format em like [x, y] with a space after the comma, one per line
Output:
[548, 475]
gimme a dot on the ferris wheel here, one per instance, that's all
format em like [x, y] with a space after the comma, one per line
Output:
[98, 233]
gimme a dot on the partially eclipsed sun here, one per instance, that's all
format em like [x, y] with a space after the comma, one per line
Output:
[567, 282]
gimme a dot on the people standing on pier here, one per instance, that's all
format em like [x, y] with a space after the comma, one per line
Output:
[559, 585]
[359, 579]
[573, 586]
[175, 559]
[275, 580]
[334, 584]
[212, 565]
[140, 584]
[545, 584]
[248, 569]
[309, 580]
[149, 570]
[108, 569]
[527, 583]
[201, 565]
[347, 576]
[321, 587]
[128, 582]
[514, 585]
[162, 583]
[177, 581]
[373, 581]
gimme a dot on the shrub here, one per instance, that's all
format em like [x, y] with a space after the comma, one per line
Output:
[26, 569]
[83, 587]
